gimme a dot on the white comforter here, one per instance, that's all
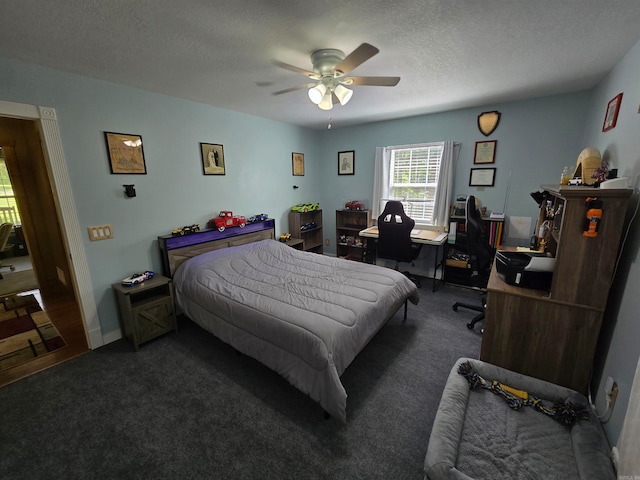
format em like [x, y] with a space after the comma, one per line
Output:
[304, 315]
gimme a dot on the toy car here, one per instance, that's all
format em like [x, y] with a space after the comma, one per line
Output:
[354, 205]
[305, 207]
[186, 230]
[137, 278]
[227, 219]
[261, 217]
[285, 237]
[308, 226]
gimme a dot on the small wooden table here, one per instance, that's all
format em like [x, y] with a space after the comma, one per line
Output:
[296, 243]
[147, 309]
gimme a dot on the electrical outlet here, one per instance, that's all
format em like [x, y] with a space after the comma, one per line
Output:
[613, 396]
[326, 242]
[608, 385]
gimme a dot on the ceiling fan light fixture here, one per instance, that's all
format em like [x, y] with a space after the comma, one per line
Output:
[326, 103]
[317, 93]
[343, 93]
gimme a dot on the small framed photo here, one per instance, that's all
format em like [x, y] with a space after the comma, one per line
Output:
[485, 152]
[482, 177]
[125, 152]
[297, 163]
[346, 162]
[611, 115]
[212, 159]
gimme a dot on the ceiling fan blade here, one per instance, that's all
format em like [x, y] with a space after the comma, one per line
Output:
[295, 69]
[293, 89]
[360, 55]
[373, 81]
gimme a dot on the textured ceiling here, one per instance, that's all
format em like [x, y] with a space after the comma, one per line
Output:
[449, 53]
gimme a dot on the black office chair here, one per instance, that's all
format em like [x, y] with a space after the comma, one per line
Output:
[481, 254]
[394, 237]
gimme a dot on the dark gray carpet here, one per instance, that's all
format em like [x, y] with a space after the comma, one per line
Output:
[187, 406]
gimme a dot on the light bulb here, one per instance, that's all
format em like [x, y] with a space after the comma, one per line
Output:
[343, 94]
[317, 93]
[326, 103]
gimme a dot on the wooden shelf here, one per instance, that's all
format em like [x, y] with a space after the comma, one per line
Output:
[349, 223]
[553, 334]
[312, 238]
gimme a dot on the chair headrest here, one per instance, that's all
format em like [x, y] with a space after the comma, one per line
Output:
[394, 207]
[393, 214]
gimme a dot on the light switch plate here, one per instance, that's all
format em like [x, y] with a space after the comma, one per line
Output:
[100, 232]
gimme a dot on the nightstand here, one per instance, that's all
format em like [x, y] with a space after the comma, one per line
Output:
[147, 309]
[296, 243]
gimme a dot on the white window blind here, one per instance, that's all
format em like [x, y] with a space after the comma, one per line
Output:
[413, 179]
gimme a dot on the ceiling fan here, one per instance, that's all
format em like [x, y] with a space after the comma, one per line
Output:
[330, 70]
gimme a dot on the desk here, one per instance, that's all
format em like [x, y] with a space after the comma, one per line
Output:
[424, 237]
[528, 332]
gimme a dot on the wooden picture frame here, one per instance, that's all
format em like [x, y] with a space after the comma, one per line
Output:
[297, 164]
[213, 162]
[346, 162]
[482, 177]
[125, 152]
[611, 115]
[485, 152]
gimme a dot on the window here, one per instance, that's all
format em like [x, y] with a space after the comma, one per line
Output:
[413, 179]
[8, 208]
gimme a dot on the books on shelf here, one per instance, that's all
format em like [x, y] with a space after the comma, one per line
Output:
[495, 234]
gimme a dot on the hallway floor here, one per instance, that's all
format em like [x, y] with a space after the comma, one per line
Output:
[64, 312]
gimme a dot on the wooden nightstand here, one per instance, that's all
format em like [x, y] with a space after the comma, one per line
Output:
[296, 243]
[146, 310]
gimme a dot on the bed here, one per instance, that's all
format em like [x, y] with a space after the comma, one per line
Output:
[304, 315]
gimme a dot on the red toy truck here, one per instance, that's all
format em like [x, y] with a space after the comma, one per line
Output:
[227, 219]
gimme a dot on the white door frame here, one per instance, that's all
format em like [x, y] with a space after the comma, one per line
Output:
[56, 164]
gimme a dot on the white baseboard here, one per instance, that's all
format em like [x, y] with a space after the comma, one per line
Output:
[111, 337]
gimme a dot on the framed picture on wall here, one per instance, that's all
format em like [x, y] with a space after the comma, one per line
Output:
[346, 162]
[485, 152]
[212, 159]
[125, 153]
[297, 163]
[482, 177]
[611, 115]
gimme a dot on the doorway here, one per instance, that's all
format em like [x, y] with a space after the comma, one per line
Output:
[43, 239]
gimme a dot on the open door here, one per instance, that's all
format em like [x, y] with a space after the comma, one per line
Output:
[34, 200]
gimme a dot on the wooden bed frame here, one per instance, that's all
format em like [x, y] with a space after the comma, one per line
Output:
[177, 249]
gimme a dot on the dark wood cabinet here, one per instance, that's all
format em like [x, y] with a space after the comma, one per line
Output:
[553, 334]
[349, 243]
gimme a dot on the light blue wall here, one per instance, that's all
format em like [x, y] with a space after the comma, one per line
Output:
[619, 349]
[536, 138]
[174, 192]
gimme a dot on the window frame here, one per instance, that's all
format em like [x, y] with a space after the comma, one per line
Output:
[427, 186]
